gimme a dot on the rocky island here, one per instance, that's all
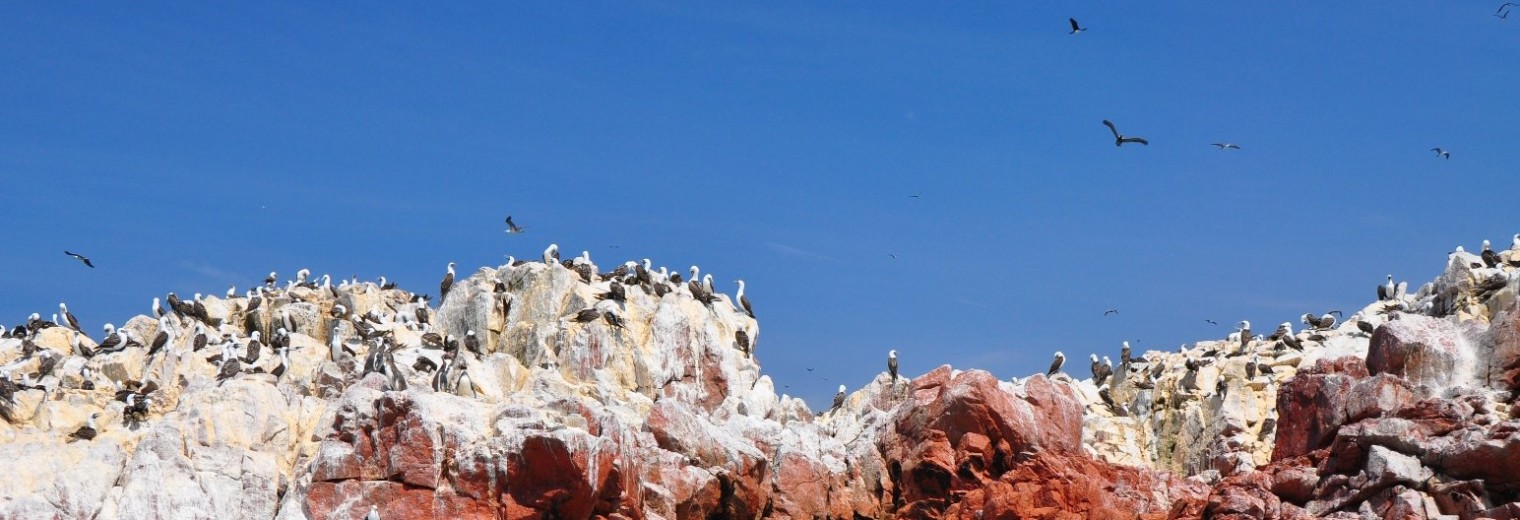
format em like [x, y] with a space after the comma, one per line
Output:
[548, 389]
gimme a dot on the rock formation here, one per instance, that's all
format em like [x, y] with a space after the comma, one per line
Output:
[548, 390]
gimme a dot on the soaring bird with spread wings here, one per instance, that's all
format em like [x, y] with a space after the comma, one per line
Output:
[1120, 139]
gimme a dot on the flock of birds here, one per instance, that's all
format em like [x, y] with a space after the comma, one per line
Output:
[1394, 296]
[263, 318]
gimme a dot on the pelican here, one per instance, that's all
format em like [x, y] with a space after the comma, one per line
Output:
[1120, 139]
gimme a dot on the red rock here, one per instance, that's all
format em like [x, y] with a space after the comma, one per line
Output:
[1418, 348]
[1311, 406]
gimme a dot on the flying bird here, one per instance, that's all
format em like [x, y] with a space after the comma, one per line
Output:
[1227, 146]
[512, 228]
[81, 258]
[1441, 152]
[1120, 139]
[1110, 311]
[1074, 27]
[1210, 322]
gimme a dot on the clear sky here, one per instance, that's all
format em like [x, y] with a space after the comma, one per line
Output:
[186, 147]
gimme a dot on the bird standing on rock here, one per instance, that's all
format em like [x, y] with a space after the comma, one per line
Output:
[448, 283]
[892, 364]
[1055, 366]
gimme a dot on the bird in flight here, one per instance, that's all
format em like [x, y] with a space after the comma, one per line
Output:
[1227, 146]
[1441, 152]
[1503, 11]
[1211, 322]
[893, 255]
[512, 228]
[81, 258]
[1120, 139]
[1074, 27]
[1110, 311]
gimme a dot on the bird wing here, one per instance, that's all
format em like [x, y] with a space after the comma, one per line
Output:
[1140, 140]
[1220, 145]
[1074, 26]
[1110, 125]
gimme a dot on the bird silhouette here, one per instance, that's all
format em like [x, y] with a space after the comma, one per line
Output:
[1120, 139]
[1074, 27]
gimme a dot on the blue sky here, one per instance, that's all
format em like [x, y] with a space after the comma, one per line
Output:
[186, 147]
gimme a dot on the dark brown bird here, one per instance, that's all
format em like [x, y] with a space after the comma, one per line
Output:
[1120, 139]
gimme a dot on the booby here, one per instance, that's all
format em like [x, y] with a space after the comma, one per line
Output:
[161, 338]
[892, 364]
[586, 316]
[1100, 371]
[255, 298]
[551, 254]
[284, 362]
[1441, 152]
[1120, 139]
[744, 301]
[68, 317]
[838, 398]
[742, 339]
[1226, 146]
[1363, 326]
[614, 292]
[253, 348]
[1055, 366]
[86, 432]
[472, 343]
[613, 319]
[1124, 358]
[1284, 329]
[158, 309]
[1490, 258]
[81, 258]
[448, 283]
[512, 227]
[1386, 291]
[1074, 30]
[1245, 333]
[200, 339]
[271, 279]
[374, 512]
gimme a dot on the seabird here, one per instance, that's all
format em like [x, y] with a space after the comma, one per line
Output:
[1227, 146]
[271, 279]
[1055, 366]
[512, 228]
[1364, 326]
[1124, 358]
[63, 309]
[158, 309]
[472, 343]
[374, 512]
[448, 283]
[613, 319]
[1210, 322]
[892, 364]
[1441, 152]
[551, 254]
[1074, 27]
[1100, 371]
[86, 432]
[1110, 311]
[838, 398]
[1120, 139]
[1387, 290]
[464, 387]
[81, 258]
[744, 301]
[1245, 333]
[284, 361]
[1490, 258]
[586, 316]
[742, 338]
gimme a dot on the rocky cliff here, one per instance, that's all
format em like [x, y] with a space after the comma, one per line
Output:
[549, 390]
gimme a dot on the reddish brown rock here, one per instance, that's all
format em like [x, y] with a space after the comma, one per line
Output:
[1422, 350]
[1311, 406]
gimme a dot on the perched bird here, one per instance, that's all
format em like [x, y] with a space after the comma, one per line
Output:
[69, 317]
[1227, 146]
[81, 258]
[838, 398]
[1120, 139]
[892, 364]
[1100, 371]
[448, 283]
[1441, 152]
[374, 513]
[86, 432]
[742, 338]
[1245, 333]
[1124, 356]
[586, 316]
[512, 228]
[1387, 290]
[1055, 366]
[743, 300]
[1490, 258]
[1365, 327]
[1074, 27]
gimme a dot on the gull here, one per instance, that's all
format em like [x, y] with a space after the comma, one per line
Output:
[81, 258]
[1120, 139]
[1441, 152]
[1227, 146]
[1074, 27]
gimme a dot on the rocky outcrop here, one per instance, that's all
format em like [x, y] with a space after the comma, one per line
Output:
[541, 390]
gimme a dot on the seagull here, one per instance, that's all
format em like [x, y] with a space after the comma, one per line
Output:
[1120, 139]
[1074, 27]
[81, 258]
[1227, 146]
[1441, 152]
[512, 228]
